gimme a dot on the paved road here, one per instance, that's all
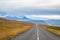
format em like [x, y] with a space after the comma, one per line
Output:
[36, 33]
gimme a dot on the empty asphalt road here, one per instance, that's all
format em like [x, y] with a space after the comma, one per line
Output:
[36, 33]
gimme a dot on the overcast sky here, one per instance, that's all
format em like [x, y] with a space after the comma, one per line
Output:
[30, 7]
[42, 4]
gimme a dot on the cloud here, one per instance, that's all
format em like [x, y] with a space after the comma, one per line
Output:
[40, 4]
[43, 17]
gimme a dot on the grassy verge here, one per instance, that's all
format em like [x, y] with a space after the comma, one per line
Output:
[53, 29]
[6, 33]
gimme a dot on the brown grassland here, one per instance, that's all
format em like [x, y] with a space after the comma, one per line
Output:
[53, 29]
[11, 28]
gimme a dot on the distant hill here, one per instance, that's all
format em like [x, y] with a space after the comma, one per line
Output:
[54, 22]
[38, 21]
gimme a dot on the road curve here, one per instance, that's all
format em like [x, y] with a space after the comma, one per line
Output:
[36, 33]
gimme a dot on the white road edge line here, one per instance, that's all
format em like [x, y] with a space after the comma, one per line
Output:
[37, 32]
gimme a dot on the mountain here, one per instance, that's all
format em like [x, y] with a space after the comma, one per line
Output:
[23, 18]
[13, 17]
[2, 14]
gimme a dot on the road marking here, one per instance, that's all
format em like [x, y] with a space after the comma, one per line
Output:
[37, 32]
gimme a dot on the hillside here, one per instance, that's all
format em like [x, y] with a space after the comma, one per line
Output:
[13, 23]
[10, 28]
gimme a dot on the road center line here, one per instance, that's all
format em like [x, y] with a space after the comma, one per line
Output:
[37, 32]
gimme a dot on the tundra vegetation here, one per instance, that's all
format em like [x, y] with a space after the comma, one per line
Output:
[11, 28]
[53, 29]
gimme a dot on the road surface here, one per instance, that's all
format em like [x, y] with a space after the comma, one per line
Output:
[36, 33]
